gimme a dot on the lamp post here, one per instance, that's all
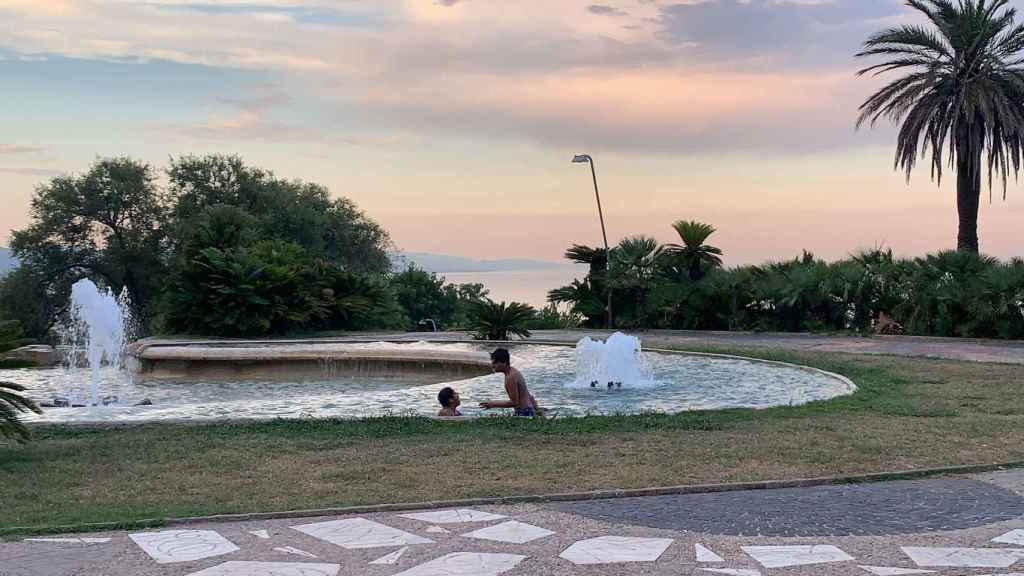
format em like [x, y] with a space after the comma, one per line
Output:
[585, 158]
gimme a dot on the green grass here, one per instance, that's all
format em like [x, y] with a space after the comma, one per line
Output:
[907, 413]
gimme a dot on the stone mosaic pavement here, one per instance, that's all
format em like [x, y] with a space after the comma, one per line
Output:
[948, 527]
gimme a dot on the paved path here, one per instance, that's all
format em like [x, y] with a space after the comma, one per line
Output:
[945, 525]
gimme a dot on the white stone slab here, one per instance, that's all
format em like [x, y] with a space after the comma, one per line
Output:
[171, 546]
[260, 534]
[964, 557]
[1011, 537]
[466, 564]
[269, 569]
[391, 558]
[512, 532]
[613, 549]
[704, 554]
[454, 516]
[733, 571]
[783, 556]
[70, 540]
[295, 551]
[438, 530]
[355, 533]
[886, 571]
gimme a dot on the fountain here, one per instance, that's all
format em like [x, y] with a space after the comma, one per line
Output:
[96, 331]
[614, 363]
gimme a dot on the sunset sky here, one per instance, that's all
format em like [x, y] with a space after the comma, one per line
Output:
[452, 122]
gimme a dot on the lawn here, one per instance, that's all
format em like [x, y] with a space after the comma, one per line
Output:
[908, 413]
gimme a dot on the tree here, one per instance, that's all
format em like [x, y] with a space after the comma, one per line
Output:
[293, 211]
[588, 297]
[33, 300]
[423, 295]
[493, 321]
[635, 264]
[107, 224]
[693, 256]
[962, 86]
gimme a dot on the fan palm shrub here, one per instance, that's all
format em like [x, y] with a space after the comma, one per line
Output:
[12, 405]
[496, 321]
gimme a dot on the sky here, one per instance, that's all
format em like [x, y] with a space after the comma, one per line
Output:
[452, 122]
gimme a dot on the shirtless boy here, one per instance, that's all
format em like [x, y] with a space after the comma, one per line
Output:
[519, 396]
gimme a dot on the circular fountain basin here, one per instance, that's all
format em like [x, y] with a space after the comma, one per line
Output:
[199, 382]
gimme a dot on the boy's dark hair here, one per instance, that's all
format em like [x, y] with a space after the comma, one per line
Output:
[500, 355]
[445, 396]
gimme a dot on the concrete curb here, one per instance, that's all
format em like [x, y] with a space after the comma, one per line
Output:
[915, 474]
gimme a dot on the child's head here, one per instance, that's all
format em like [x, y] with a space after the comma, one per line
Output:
[448, 398]
[500, 360]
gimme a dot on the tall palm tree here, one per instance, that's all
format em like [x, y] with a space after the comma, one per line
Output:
[695, 256]
[962, 86]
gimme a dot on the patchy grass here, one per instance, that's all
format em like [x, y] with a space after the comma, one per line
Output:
[907, 413]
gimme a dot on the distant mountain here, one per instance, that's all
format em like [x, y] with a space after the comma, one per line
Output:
[7, 261]
[442, 263]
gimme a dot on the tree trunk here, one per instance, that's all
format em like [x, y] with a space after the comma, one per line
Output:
[968, 190]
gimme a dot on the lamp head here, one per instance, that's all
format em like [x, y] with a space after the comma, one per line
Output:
[581, 158]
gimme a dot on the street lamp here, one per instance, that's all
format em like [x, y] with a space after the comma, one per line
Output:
[585, 158]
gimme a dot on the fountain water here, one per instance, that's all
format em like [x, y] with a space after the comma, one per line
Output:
[615, 363]
[97, 330]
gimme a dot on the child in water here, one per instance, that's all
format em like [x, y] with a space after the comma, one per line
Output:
[450, 402]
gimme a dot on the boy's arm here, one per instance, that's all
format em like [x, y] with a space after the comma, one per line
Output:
[511, 389]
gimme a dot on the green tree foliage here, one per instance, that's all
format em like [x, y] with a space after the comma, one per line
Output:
[587, 297]
[426, 296]
[962, 85]
[951, 293]
[302, 213]
[269, 288]
[497, 321]
[280, 255]
[11, 335]
[30, 298]
[106, 224]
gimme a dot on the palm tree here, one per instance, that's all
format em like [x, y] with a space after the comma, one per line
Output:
[12, 403]
[963, 85]
[596, 258]
[695, 256]
[637, 258]
[584, 299]
[494, 321]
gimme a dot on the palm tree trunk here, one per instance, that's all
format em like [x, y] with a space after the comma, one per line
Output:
[968, 189]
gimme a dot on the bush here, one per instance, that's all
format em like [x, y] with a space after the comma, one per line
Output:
[493, 321]
[271, 288]
[948, 293]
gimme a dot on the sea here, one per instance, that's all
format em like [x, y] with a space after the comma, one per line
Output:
[528, 286]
